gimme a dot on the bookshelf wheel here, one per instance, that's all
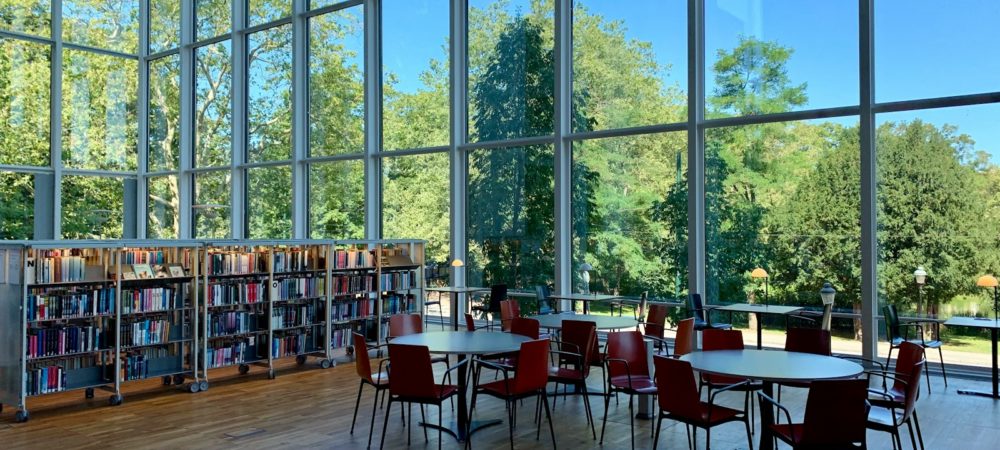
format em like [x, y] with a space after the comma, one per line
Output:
[89, 393]
[325, 363]
[115, 400]
[244, 369]
[300, 360]
[203, 385]
[270, 374]
[21, 416]
[166, 380]
[178, 379]
[194, 387]
[349, 350]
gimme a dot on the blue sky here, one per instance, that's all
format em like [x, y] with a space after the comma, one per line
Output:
[924, 48]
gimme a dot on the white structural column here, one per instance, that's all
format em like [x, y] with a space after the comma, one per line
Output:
[300, 119]
[563, 154]
[373, 118]
[55, 117]
[696, 147]
[186, 178]
[238, 199]
[869, 224]
[459, 133]
[142, 113]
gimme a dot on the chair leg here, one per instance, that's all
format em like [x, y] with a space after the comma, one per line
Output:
[385, 424]
[943, 373]
[440, 414]
[548, 415]
[687, 429]
[631, 419]
[896, 441]
[371, 427]
[607, 406]
[916, 422]
[357, 403]
[423, 418]
[913, 436]
[708, 438]
[590, 413]
[409, 414]
[510, 424]
[750, 434]
[927, 372]
[656, 433]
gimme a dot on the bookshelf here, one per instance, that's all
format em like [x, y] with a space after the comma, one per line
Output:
[71, 319]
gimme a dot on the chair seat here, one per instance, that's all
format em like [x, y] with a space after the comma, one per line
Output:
[640, 384]
[721, 381]
[881, 417]
[565, 375]
[380, 380]
[896, 342]
[898, 397]
[719, 415]
[444, 391]
[789, 433]
[501, 388]
[701, 326]
[439, 359]
[435, 302]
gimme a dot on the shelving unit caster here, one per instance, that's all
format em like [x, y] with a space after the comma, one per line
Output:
[349, 350]
[203, 385]
[300, 360]
[194, 387]
[167, 381]
[271, 374]
[21, 416]
[325, 363]
[89, 393]
[178, 379]
[115, 400]
[244, 369]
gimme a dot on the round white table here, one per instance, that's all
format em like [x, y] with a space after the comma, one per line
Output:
[554, 321]
[464, 343]
[772, 366]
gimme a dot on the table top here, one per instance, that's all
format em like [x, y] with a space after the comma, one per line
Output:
[554, 321]
[772, 365]
[759, 308]
[465, 342]
[585, 297]
[458, 290]
[973, 322]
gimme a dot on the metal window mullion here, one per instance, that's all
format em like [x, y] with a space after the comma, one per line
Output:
[238, 193]
[300, 119]
[458, 126]
[563, 153]
[186, 178]
[142, 113]
[696, 146]
[869, 205]
[373, 118]
[55, 117]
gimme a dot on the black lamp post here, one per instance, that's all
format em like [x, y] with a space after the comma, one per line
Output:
[989, 281]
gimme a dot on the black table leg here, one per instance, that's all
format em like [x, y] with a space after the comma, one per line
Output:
[458, 429]
[766, 417]
[454, 311]
[996, 373]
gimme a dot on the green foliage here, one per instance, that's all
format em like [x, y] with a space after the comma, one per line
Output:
[752, 79]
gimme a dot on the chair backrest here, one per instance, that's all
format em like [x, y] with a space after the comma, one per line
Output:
[470, 323]
[656, 320]
[413, 361]
[627, 345]
[524, 326]
[910, 365]
[532, 372]
[676, 390]
[581, 337]
[362, 363]
[506, 314]
[684, 342]
[542, 292]
[891, 321]
[498, 293]
[713, 339]
[697, 308]
[808, 340]
[836, 413]
[405, 324]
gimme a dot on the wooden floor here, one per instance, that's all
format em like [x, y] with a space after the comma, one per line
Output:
[311, 408]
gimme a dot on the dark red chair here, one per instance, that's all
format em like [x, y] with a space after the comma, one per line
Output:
[415, 384]
[718, 339]
[835, 417]
[380, 381]
[521, 326]
[507, 314]
[896, 405]
[406, 324]
[576, 349]
[654, 326]
[679, 400]
[628, 373]
[806, 340]
[470, 323]
[684, 340]
[530, 378]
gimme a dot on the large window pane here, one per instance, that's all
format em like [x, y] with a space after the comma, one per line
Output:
[110, 25]
[928, 49]
[212, 201]
[769, 56]
[163, 220]
[511, 69]
[26, 16]
[212, 18]
[416, 202]
[164, 113]
[337, 200]
[415, 74]
[785, 197]
[164, 25]
[269, 202]
[270, 90]
[213, 107]
[630, 215]
[264, 11]
[17, 205]
[938, 210]
[24, 103]
[92, 207]
[629, 63]
[99, 111]
[510, 217]
[336, 83]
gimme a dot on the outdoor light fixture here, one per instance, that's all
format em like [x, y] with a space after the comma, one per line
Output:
[827, 294]
[920, 276]
[989, 281]
[585, 269]
[457, 263]
[761, 273]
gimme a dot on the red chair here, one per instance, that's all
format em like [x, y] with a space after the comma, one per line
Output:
[896, 406]
[684, 341]
[576, 348]
[835, 417]
[679, 400]
[406, 324]
[416, 384]
[506, 314]
[380, 381]
[628, 373]
[470, 323]
[530, 378]
[521, 326]
[655, 324]
[806, 340]
[719, 339]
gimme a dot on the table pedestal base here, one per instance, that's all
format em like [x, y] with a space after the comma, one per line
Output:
[456, 432]
[979, 393]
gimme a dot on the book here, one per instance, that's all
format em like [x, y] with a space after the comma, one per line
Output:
[142, 271]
